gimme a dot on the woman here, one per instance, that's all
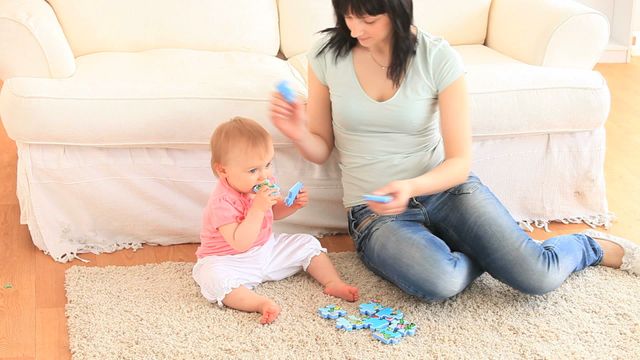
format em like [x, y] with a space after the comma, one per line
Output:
[392, 99]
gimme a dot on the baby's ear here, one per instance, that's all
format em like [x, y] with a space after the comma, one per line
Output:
[219, 169]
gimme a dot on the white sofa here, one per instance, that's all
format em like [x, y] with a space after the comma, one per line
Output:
[111, 104]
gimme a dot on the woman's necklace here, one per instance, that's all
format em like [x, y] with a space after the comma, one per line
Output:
[376, 61]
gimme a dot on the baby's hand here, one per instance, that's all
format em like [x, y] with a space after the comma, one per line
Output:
[302, 199]
[265, 198]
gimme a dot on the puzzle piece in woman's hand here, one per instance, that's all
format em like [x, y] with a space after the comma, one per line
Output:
[331, 312]
[285, 90]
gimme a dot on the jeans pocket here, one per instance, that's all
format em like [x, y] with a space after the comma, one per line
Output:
[365, 222]
[467, 187]
[359, 219]
[351, 223]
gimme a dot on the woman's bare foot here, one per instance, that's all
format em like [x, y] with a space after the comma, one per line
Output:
[269, 311]
[618, 252]
[613, 254]
[342, 291]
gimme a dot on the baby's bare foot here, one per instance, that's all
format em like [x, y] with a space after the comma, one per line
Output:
[342, 290]
[269, 311]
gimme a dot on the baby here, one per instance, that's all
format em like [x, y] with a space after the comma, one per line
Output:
[238, 249]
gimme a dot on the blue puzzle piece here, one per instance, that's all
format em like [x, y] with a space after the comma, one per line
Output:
[350, 323]
[285, 90]
[387, 336]
[266, 182]
[370, 308]
[293, 192]
[331, 312]
[404, 328]
[377, 198]
[387, 324]
[390, 313]
[375, 323]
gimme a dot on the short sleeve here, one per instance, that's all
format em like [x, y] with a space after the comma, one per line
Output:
[225, 210]
[318, 63]
[447, 65]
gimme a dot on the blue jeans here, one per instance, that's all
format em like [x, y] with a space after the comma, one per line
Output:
[444, 241]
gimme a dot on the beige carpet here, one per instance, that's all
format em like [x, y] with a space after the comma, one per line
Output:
[156, 312]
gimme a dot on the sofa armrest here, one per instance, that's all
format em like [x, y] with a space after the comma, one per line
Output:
[301, 65]
[560, 33]
[32, 41]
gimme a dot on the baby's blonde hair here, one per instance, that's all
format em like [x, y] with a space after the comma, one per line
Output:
[238, 132]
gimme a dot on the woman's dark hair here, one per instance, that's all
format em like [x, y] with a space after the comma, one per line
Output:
[400, 14]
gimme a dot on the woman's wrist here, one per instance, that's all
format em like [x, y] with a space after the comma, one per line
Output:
[304, 138]
[413, 188]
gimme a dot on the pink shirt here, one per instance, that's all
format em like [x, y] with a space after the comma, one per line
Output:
[226, 206]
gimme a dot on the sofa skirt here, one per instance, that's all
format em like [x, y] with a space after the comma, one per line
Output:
[79, 199]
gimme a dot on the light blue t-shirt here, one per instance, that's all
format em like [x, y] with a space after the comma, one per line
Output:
[378, 142]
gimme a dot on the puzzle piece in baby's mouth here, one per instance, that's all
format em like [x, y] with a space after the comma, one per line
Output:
[267, 183]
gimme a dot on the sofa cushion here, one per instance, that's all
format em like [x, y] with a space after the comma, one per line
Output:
[513, 98]
[176, 97]
[137, 25]
[550, 32]
[458, 21]
[166, 97]
[480, 54]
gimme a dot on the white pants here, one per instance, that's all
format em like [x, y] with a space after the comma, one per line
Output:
[281, 256]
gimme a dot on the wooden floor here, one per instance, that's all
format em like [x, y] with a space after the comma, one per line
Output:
[32, 296]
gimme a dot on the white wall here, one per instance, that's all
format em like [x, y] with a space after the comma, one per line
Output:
[636, 16]
[635, 26]
[619, 13]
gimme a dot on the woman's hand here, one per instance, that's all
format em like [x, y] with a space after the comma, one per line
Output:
[289, 118]
[400, 190]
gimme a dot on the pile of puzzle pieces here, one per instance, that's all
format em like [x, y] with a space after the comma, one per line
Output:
[386, 324]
